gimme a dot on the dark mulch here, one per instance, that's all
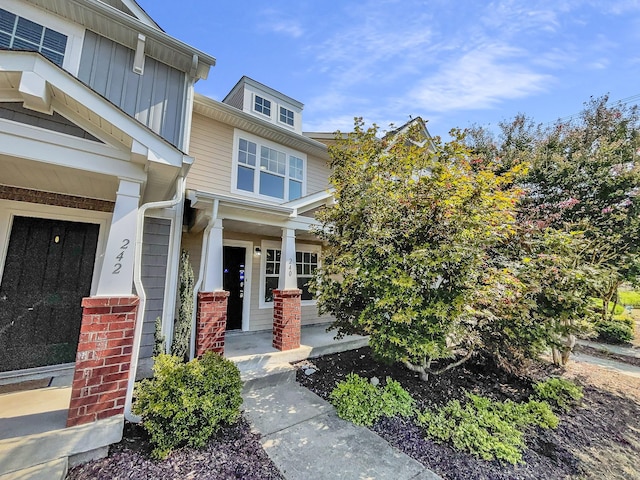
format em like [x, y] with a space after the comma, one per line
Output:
[235, 453]
[603, 426]
[604, 353]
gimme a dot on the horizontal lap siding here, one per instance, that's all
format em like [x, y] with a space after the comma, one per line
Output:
[212, 149]
[155, 98]
[317, 174]
[155, 255]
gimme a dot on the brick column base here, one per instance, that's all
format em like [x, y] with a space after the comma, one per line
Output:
[103, 359]
[286, 319]
[211, 322]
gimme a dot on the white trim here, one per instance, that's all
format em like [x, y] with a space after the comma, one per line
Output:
[260, 142]
[264, 244]
[285, 124]
[9, 209]
[248, 270]
[73, 31]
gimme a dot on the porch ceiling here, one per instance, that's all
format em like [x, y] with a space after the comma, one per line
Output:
[262, 230]
[20, 172]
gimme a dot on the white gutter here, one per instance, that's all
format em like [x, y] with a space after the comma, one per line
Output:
[198, 284]
[137, 281]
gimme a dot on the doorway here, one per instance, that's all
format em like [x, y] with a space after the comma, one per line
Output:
[234, 282]
[48, 271]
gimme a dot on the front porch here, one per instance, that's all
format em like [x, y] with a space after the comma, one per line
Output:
[32, 422]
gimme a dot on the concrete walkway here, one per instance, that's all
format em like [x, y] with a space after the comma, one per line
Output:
[306, 440]
[610, 364]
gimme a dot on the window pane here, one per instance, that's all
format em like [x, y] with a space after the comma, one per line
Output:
[19, 44]
[278, 255]
[303, 284]
[314, 258]
[307, 257]
[295, 168]
[7, 21]
[270, 255]
[269, 268]
[5, 40]
[245, 178]
[29, 30]
[270, 284]
[299, 268]
[54, 41]
[56, 58]
[271, 185]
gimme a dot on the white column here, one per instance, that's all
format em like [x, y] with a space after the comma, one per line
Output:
[214, 260]
[288, 275]
[116, 276]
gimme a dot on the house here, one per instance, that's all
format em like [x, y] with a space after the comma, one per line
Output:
[95, 118]
[250, 198]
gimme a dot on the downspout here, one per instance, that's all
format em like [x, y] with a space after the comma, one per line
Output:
[198, 284]
[137, 281]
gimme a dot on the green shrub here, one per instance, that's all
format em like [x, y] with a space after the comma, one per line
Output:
[559, 392]
[619, 307]
[362, 403]
[617, 330]
[186, 403]
[486, 428]
[629, 297]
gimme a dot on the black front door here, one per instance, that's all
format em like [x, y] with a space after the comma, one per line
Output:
[233, 280]
[47, 272]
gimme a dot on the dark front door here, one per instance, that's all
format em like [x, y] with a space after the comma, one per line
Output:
[234, 284]
[47, 272]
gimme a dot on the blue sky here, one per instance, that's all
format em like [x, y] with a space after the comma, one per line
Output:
[454, 63]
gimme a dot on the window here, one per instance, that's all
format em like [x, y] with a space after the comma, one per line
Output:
[307, 262]
[286, 116]
[262, 105]
[17, 33]
[272, 273]
[306, 265]
[275, 174]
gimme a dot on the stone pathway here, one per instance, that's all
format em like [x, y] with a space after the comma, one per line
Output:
[306, 440]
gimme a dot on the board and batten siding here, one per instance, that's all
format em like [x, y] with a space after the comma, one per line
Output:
[155, 98]
[260, 318]
[212, 148]
[155, 256]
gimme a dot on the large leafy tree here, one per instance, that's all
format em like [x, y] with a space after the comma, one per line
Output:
[585, 176]
[407, 242]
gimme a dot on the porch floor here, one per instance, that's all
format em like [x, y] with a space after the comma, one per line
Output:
[255, 347]
[33, 411]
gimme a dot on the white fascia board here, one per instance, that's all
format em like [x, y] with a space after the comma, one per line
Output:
[309, 202]
[164, 152]
[197, 197]
[45, 146]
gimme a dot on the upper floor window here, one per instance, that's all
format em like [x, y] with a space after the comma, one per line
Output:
[262, 105]
[267, 170]
[286, 116]
[18, 33]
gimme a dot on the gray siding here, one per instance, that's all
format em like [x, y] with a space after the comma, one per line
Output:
[16, 112]
[155, 98]
[155, 252]
[237, 100]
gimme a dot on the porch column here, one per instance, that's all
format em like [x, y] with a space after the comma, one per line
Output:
[212, 300]
[108, 320]
[286, 300]
[116, 276]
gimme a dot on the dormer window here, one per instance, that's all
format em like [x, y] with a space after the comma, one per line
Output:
[18, 33]
[286, 116]
[262, 105]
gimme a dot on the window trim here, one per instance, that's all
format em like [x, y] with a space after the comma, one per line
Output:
[253, 105]
[260, 142]
[293, 117]
[300, 247]
[73, 32]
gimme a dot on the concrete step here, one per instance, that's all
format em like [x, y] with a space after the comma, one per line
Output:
[53, 470]
[18, 453]
[268, 375]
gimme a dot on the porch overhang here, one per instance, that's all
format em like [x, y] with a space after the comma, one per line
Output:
[121, 148]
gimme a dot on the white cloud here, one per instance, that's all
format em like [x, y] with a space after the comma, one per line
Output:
[478, 79]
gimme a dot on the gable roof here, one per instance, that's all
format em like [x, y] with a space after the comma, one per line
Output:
[133, 8]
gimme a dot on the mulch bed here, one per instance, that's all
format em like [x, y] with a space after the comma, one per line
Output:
[235, 453]
[603, 426]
